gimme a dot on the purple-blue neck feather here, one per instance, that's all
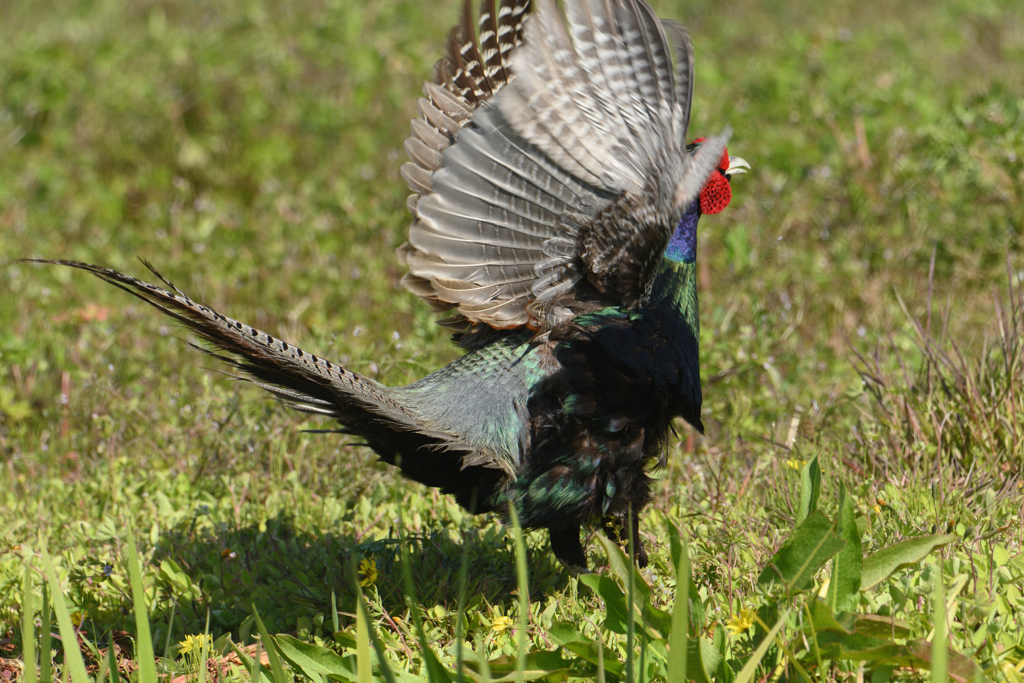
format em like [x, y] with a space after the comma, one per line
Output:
[683, 244]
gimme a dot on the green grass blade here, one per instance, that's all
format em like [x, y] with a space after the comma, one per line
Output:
[143, 640]
[630, 602]
[203, 656]
[335, 621]
[940, 644]
[435, 670]
[170, 628]
[378, 646]
[101, 673]
[28, 628]
[364, 666]
[74, 665]
[680, 637]
[481, 656]
[460, 617]
[257, 664]
[204, 649]
[746, 674]
[112, 660]
[46, 642]
[276, 668]
[643, 660]
[245, 659]
[523, 581]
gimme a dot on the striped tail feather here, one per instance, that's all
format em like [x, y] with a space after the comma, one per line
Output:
[303, 380]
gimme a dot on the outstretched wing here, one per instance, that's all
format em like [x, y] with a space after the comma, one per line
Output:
[560, 191]
[474, 69]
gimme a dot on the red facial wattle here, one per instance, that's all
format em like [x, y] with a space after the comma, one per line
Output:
[717, 192]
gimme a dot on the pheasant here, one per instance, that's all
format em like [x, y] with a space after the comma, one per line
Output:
[555, 211]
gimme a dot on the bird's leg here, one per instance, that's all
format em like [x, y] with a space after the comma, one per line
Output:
[565, 544]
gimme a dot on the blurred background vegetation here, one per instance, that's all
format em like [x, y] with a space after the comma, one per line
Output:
[251, 151]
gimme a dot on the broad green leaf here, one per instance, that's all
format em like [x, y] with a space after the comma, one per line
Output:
[810, 489]
[880, 564]
[275, 660]
[805, 552]
[344, 639]
[622, 568]
[538, 664]
[655, 622]
[72, 655]
[838, 644]
[881, 627]
[562, 632]
[844, 585]
[679, 637]
[917, 653]
[822, 619]
[702, 659]
[569, 637]
[316, 662]
[614, 600]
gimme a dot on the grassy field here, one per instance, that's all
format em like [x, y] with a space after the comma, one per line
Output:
[861, 309]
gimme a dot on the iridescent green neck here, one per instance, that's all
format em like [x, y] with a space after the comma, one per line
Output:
[675, 296]
[676, 289]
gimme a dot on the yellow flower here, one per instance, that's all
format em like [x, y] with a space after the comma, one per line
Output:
[195, 644]
[500, 625]
[738, 623]
[367, 570]
[794, 463]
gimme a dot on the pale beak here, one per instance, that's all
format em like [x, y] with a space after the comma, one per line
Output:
[736, 166]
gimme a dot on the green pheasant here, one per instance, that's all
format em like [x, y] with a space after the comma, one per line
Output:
[556, 205]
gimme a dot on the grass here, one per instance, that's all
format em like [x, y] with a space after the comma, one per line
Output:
[861, 309]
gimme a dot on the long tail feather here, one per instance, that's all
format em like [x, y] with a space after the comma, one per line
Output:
[299, 378]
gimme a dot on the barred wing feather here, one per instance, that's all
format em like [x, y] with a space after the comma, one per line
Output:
[551, 162]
